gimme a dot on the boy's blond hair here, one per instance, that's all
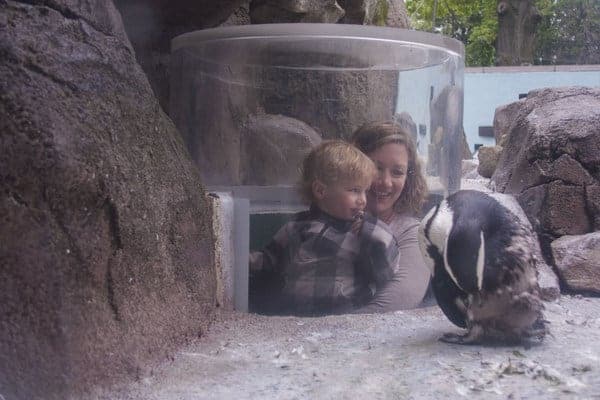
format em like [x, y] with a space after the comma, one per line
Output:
[334, 161]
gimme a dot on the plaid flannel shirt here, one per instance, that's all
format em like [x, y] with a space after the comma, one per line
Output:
[326, 268]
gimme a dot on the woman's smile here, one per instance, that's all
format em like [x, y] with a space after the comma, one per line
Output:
[391, 161]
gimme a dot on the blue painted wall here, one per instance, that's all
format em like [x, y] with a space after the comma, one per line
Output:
[487, 88]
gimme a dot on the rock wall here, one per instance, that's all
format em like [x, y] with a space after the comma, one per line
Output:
[551, 160]
[106, 257]
[551, 163]
[151, 24]
[214, 99]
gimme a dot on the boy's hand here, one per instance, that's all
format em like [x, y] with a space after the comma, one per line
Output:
[358, 221]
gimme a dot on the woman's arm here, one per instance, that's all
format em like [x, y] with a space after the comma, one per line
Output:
[409, 284]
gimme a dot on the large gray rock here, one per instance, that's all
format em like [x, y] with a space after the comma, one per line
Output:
[210, 109]
[551, 160]
[446, 150]
[547, 279]
[577, 260]
[504, 117]
[151, 24]
[352, 95]
[281, 11]
[106, 248]
[488, 157]
[376, 12]
[469, 169]
[273, 147]
[240, 16]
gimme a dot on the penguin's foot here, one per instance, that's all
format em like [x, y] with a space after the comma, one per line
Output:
[538, 330]
[473, 336]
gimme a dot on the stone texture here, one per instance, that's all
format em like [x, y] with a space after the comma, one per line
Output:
[466, 151]
[577, 261]
[380, 356]
[446, 149]
[151, 24]
[240, 16]
[353, 96]
[592, 198]
[552, 157]
[273, 147]
[469, 169]
[488, 157]
[547, 279]
[504, 117]
[281, 11]
[564, 169]
[557, 208]
[106, 248]
[210, 109]
[375, 12]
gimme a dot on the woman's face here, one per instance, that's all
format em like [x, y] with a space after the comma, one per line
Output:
[391, 160]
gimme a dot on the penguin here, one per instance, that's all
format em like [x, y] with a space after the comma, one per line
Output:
[484, 274]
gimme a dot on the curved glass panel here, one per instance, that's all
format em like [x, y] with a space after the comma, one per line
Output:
[251, 100]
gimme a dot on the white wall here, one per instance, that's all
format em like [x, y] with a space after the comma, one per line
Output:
[489, 87]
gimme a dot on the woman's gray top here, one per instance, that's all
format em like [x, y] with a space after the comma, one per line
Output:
[409, 284]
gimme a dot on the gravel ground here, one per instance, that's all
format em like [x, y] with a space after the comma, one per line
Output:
[389, 356]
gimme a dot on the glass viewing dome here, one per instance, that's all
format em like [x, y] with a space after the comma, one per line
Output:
[251, 100]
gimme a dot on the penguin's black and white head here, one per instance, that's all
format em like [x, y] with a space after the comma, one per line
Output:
[452, 237]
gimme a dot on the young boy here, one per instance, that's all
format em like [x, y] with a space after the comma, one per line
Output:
[330, 258]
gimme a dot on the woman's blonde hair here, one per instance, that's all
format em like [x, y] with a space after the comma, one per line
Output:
[372, 136]
[334, 161]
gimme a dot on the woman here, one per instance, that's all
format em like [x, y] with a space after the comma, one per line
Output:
[396, 197]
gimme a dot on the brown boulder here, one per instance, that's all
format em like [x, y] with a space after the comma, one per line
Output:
[446, 150]
[577, 260]
[488, 157]
[504, 117]
[333, 92]
[551, 159]
[354, 92]
[547, 279]
[376, 12]
[151, 24]
[592, 198]
[106, 239]
[281, 11]
[209, 109]
[273, 147]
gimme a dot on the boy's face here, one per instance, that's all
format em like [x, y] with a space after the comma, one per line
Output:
[343, 200]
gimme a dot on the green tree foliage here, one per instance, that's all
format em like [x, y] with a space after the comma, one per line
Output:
[569, 32]
[474, 22]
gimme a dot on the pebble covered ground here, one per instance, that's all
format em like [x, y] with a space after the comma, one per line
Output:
[387, 356]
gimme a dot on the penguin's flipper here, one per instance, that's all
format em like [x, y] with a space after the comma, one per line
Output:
[464, 255]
